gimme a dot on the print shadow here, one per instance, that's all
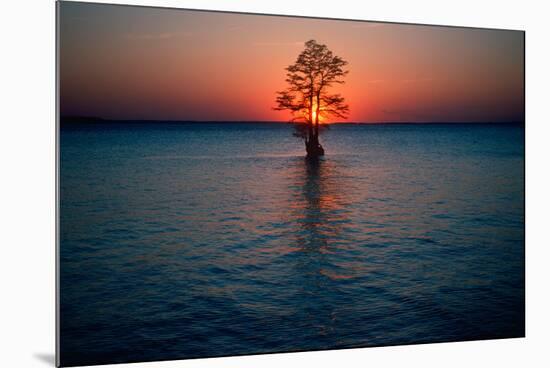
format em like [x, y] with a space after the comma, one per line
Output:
[48, 359]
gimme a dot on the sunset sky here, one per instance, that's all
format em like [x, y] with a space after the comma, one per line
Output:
[125, 62]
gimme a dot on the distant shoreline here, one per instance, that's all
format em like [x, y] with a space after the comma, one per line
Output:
[97, 120]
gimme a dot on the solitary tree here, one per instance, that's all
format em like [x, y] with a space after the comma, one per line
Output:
[316, 70]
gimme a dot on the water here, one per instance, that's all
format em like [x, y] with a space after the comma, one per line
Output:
[193, 240]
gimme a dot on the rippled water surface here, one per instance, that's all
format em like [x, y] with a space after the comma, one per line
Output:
[192, 240]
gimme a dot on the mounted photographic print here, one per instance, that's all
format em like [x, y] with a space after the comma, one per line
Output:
[233, 183]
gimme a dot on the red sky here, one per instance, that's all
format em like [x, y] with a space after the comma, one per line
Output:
[148, 63]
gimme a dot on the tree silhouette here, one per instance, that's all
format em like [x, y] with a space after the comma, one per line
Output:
[316, 70]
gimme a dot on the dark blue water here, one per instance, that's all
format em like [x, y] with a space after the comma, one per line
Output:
[193, 240]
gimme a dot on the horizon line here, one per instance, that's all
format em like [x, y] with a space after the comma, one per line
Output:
[96, 119]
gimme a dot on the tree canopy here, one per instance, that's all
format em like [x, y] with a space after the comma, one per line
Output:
[307, 97]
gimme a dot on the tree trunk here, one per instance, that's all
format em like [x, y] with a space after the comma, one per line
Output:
[317, 111]
[313, 148]
[310, 123]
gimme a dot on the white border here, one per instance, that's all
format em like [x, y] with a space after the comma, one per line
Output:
[27, 151]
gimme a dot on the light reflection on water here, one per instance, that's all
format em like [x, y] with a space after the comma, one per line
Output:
[174, 247]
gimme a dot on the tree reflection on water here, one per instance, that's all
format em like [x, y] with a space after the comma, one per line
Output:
[319, 206]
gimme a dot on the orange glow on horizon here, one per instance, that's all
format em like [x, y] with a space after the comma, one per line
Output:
[163, 64]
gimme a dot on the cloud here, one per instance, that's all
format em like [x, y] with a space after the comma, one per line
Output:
[154, 36]
[366, 25]
[295, 43]
[411, 113]
[416, 80]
